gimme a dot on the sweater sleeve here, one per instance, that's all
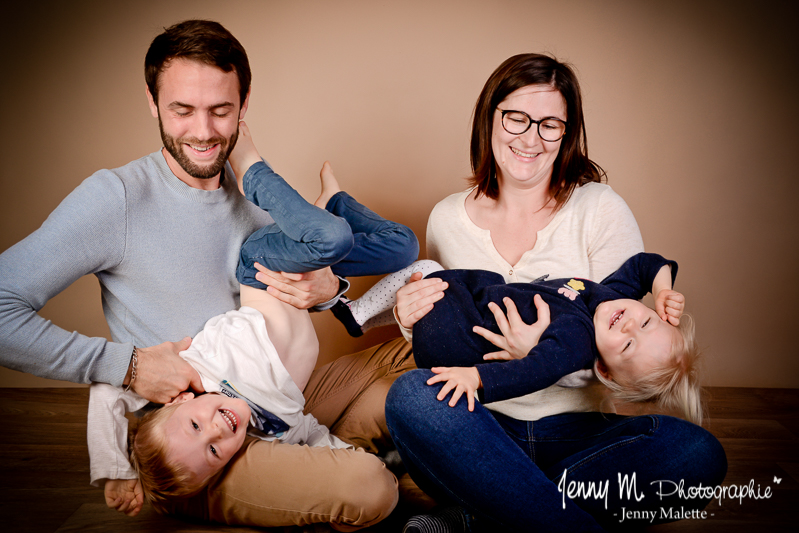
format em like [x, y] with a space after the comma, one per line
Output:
[85, 234]
[635, 277]
[565, 347]
[107, 432]
[613, 235]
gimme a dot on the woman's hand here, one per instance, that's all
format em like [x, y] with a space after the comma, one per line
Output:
[517, 338]
[669, 305]
[124, 495]
[459, 380]
[416, 298]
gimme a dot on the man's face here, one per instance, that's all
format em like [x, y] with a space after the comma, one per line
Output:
[198, 113]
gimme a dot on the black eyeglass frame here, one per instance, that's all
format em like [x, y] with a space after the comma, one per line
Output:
[536, 122]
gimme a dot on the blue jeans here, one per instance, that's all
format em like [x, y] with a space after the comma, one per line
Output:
[346, 236]
[506, 472]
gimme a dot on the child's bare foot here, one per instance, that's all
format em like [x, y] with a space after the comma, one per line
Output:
[329, 186]
[244, 155]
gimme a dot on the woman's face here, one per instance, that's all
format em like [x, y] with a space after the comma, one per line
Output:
[526, 160]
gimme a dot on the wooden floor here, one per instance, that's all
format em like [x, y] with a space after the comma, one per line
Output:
[44, 467]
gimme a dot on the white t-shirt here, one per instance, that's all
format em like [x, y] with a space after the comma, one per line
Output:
[589, 237]
[233, 347]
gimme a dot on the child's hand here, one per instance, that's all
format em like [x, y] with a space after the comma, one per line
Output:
[458, 380]
[517, 338]
[669, 305]
[124, 495]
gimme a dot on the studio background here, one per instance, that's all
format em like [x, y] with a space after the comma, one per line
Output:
[691, 108]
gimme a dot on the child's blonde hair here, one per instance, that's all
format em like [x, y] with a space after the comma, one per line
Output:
[674, 385]
[160, 479]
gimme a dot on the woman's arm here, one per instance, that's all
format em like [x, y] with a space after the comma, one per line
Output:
[290, 330]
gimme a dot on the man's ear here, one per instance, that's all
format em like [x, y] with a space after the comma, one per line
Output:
[245, 105]
[602, 370]
[180, 398]
[151, 102]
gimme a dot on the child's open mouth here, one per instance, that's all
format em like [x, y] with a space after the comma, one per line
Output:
[231, 419]
[615, 317]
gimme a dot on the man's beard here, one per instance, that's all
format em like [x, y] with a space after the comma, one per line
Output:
[173, 146]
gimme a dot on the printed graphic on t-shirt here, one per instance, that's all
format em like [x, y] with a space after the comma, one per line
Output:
[262, 419]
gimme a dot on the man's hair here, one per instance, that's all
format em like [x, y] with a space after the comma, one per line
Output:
[572, 166]
[674, 385]
[197, 40]
[160, 479]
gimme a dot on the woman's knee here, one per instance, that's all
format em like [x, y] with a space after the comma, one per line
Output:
[407, 393]
[412, 410]
[700, 453]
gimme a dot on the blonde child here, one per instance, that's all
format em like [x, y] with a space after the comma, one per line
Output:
[640, 354]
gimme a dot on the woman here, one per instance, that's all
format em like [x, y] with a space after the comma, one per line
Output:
[537, 208]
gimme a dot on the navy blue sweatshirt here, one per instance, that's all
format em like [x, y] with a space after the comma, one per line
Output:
[444, 336]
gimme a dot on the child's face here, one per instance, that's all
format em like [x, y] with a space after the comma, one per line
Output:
[205, 432]
[631, 338]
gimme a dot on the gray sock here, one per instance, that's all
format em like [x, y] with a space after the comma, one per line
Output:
[447, 520]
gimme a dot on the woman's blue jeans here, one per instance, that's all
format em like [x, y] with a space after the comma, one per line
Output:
[346, 236]
[507, 472]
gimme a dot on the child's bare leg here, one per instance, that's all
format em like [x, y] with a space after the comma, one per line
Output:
[329, 186]
[244, 155]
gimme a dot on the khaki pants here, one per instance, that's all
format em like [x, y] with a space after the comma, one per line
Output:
[270, 484]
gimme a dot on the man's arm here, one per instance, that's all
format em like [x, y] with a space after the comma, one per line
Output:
[84, 235]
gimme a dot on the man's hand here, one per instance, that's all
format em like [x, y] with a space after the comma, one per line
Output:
[161, 374]
[517, 338]
[416, 298]
[669, 305]
[302, 291]
[460, 380]
[124, 495]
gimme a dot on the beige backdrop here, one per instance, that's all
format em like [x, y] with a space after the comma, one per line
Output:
[691, 109]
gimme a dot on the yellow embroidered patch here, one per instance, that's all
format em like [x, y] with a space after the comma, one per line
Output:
[576, 284]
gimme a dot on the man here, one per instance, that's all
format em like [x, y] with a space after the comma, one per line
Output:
[171, 223]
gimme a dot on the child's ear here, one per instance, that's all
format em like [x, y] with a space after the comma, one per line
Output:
[602, 369]
[182, 397]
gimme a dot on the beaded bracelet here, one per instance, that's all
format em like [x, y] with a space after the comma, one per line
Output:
[133, 360]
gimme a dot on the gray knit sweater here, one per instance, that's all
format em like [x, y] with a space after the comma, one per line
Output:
[165, 255]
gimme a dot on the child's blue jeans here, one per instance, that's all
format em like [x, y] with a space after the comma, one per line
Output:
[346, 236]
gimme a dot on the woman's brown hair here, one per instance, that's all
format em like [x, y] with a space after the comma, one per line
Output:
[572, 166]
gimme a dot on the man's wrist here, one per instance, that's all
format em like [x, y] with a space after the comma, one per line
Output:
[130, 377]
[343, 286]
